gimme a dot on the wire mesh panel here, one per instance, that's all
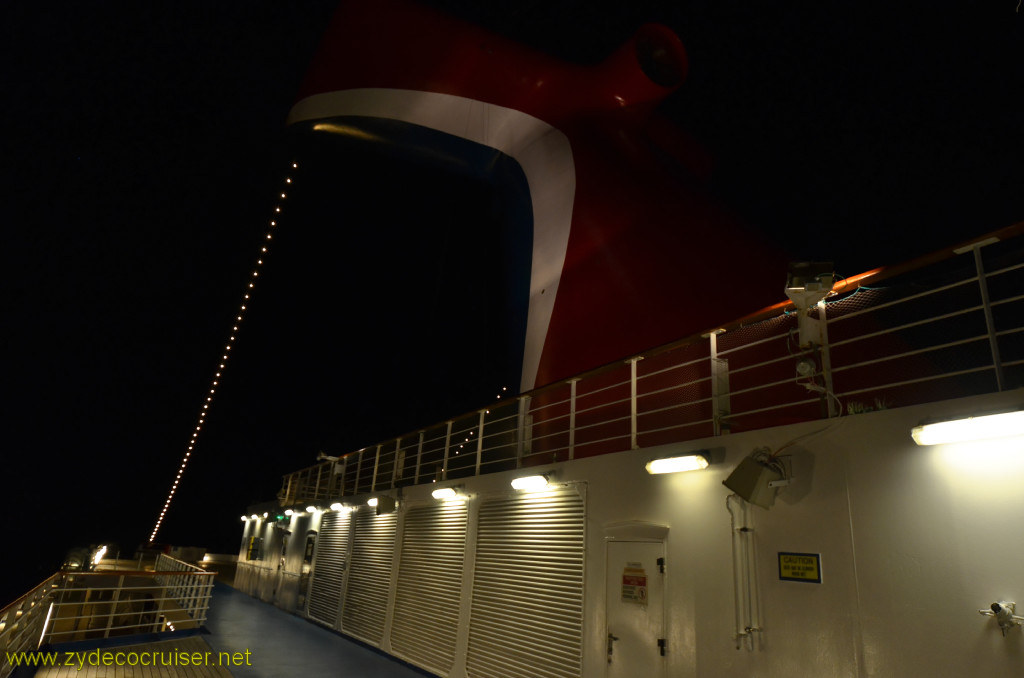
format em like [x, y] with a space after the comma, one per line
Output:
[527, 612]
[426, 614]
[432, 460]
[603, 412]
[500, 437]
[674, 396]
[366, 595]
[462, 448]
[329, 565]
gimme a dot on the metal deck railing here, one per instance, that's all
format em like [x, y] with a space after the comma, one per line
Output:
[73, 606]
[945, 326]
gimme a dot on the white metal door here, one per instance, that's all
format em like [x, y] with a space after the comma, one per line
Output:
[635, 609]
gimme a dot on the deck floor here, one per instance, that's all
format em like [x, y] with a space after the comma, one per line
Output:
[282, 644]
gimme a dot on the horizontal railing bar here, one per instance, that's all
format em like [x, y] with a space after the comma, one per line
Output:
[788, 380]
[916, 323]
[733, 415]
[753, 343]
[937, 347]
[696, 361]
[602, 423]
[918, 380]
[545, 405]
[672, 388]
[580, 396]
[1008, 300]
[672, 407]
[895, 302]
[667, 428]
[788, 356]
[603, 440]
[607, 404]
[1012, 267]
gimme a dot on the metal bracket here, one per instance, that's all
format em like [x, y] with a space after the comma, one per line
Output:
[782, 482]
[1003, 611]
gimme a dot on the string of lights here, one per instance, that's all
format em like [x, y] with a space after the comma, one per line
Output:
[222, 365]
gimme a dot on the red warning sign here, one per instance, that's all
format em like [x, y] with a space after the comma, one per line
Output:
[634, 584]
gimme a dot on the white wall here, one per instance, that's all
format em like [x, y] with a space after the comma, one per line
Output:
[913, 542]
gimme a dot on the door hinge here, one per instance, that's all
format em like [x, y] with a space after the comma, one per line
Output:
[661, 646]
[661, 565]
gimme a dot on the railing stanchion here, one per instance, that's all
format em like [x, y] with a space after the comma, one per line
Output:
[480, 441]
[572, 417]
[993, 342]
[419, 458]
[522, 448]
[447, 446]
[376, 465]
[632, 404]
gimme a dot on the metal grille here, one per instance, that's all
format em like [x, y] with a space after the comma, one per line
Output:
[426, 615]
[366, 596]
[527, 614]
[329, 568]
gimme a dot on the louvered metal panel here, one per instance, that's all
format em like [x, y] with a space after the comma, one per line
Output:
[527, 611]
[366, 596]
[426, 615]
[329, 568]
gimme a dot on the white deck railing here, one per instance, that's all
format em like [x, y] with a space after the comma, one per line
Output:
[949, 326]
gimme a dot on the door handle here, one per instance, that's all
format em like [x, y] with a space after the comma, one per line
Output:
[611, 646]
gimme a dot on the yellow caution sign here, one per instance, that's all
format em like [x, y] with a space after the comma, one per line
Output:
[804, 567]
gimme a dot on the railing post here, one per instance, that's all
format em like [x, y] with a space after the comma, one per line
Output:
[480, 441]
[990, 324]
[632, 403]
[447, 445]
[359, 469]
[376, 465]
[419, 458]
[522, 448]
[720, 405]
[396, 469]
[572, 417]
[826, 361]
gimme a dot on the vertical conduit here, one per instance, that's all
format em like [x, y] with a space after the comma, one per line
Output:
[743, 573]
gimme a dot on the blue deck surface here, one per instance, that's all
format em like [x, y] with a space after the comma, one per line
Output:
[284, 645]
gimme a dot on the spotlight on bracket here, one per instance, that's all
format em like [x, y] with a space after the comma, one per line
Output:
[757, 478]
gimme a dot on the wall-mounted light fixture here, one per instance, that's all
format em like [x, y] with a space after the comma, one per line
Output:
[684, 462]
[311, 509]
[531, 483]
[337, 506]
[289, 512]
[970, 429]
[245, 517]
[372, 501]
[445, 493]
[254, 517]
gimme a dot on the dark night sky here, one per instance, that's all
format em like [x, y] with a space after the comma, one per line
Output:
[144, 145]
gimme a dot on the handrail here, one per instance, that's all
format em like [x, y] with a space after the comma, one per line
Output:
[691, 388]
